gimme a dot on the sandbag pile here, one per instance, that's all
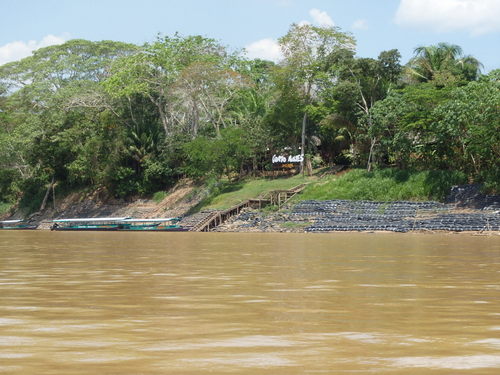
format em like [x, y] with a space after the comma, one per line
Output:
[403, 216]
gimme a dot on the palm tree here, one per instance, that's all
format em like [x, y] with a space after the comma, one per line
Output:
[470, 67]
[443, 58]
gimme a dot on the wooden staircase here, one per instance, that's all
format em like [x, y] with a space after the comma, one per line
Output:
[275, 197]
[280, 197]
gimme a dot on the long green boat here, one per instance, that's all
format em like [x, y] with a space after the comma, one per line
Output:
[169, 224]
[16, 225]
[118, 224]
[91, 224]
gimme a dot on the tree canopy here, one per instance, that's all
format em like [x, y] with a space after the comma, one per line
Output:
[131, 119]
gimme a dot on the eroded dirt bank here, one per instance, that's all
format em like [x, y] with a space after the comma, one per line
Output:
[177, 203]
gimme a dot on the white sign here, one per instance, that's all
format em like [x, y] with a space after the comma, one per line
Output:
[291, 159]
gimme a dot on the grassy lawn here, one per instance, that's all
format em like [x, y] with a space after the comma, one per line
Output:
[357, 184]
[234, 193]
[384, 185]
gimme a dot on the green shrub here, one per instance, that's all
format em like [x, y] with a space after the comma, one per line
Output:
[159, 196]
[5, 207]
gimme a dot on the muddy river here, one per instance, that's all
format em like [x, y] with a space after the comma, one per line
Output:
[248, 303]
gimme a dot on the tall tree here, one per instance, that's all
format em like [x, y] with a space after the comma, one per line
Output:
[374, 79]
[201, 95]
[468, 130]
[443, 63]
[308, 52]
[153, 72]
[39, 90]
[358, 84]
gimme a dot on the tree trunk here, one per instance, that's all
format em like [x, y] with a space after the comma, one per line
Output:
[44, 202]
[54, 196]
[309, 166]
[303, 143]
[370, 155]
[196, 120]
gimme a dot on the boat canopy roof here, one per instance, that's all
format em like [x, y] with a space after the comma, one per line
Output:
[90, 220]
[11, 221]
[114, 219]
[158, 220]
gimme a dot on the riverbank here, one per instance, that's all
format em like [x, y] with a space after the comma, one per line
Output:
[177, 202]
[466, 208]
[367, 216]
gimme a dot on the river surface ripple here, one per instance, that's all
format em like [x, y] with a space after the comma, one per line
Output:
[248, 303]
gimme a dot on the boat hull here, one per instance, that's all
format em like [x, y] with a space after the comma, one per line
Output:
[122, 229]
[154, 230]
[122, 224]
[85, 229]
[19, 228]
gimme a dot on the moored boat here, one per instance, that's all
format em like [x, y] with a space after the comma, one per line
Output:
[16, 225]
[118, 224]
[160, 224]
[89, 224]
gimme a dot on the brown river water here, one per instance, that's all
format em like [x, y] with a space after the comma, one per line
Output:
[248, 303]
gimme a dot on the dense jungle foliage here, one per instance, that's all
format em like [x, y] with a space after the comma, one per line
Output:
[130, 119]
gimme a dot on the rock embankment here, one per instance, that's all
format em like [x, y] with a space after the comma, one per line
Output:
[345, 215]
[470, 196]
[342, 215]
